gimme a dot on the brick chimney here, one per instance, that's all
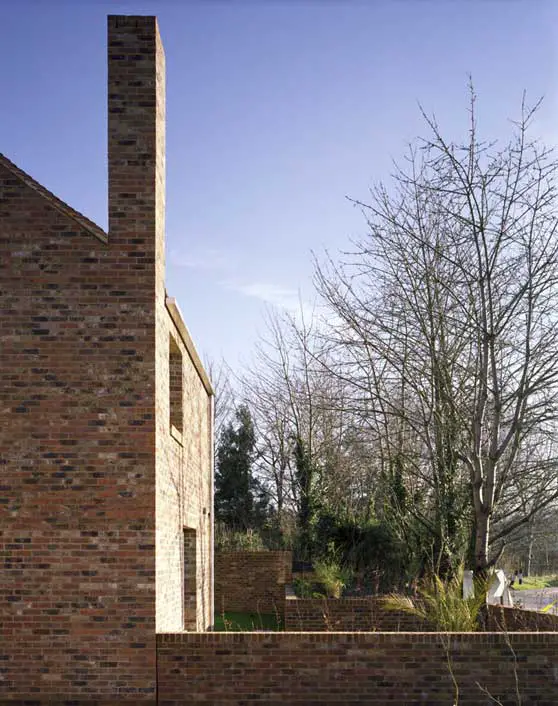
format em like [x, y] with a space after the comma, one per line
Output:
[136, 151]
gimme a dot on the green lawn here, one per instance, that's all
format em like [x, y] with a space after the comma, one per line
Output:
[536, 582]
[246, 622]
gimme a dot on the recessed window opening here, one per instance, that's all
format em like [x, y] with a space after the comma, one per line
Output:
[175, 385]
[190, 579]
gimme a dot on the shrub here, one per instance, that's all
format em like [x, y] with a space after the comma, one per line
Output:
[303, 587]
[369, 549]
[331, 576]
[441, 603]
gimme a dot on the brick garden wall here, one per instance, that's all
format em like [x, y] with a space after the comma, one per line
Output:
[346, 615]
[515, 619]
[234, 669]
[251, 581]
[368, 614]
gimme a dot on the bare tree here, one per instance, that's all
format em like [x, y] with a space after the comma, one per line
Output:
[306, 441]
[444, 319]
[221, 378]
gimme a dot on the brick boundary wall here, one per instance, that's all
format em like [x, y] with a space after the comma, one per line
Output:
[251, 581]
[241, 669]
[518, 620]
[368, 615]
[347, 615]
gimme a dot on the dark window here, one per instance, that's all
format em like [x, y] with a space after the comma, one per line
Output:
[190, 579]
[175, 385]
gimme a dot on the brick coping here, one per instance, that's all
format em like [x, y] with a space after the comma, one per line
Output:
[260, 636]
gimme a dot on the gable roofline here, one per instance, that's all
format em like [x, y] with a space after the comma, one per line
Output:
[95, 230]
[54, 201]
[178, 320]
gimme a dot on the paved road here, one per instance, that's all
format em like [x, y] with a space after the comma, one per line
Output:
[536, 599]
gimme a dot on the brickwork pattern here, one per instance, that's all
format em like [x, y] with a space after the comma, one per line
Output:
[184, 490]
[355, 668]
[369, 615]
[517, 620]
[83, 452]
[251, 581]
[76, 446]
[346, 615]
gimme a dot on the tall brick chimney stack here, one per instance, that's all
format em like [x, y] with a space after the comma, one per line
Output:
[136, 149]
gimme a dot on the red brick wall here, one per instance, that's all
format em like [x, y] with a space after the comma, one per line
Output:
[346, 614]
[368, 614]
[515, 619]
[77, 439]
[76, 443]
[230, 669]
[251, 581]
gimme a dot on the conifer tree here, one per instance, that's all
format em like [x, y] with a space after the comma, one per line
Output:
[236, 490]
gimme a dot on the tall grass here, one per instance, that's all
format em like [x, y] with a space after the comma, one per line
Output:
[331, 576]
[441, 603]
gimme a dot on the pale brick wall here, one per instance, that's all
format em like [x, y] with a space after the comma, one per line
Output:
[184, 492]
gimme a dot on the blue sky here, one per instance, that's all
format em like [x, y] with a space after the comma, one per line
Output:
[276, 111]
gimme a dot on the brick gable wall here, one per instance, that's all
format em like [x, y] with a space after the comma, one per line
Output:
[84, 432]
[77, 437]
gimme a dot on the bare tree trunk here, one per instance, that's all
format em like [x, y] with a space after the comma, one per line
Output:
[482, 533]
[530, 549]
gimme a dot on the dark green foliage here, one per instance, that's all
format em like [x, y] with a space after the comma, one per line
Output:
[370, 550]
[304, 588]
[432, 527]
[305, 475]
[239, 503]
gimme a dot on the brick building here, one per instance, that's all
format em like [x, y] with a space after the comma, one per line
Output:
[106, 419]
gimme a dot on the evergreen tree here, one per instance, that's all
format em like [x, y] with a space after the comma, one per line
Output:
[235, 487]
[305, 476]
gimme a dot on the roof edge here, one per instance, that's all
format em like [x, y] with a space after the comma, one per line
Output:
[176, 316]
[54, 201]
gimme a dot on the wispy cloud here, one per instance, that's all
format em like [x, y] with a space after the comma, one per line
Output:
[224, 265]
[274, 294]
